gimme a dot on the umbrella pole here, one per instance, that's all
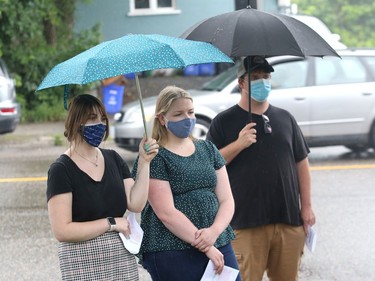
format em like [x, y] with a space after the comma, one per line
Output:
[141, 104]
[250, 119]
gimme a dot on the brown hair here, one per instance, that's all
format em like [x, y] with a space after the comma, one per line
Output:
[79, 111]
[165, 98]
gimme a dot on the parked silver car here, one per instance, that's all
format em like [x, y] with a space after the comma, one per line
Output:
[332, 99]
[9, 109]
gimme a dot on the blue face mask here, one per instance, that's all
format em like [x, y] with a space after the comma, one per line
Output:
[182, 128]
[93, 133]
[260, 89]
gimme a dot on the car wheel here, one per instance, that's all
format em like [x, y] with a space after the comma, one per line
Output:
[371, 143]
[372, 136]
[201, 129]
[356, 148]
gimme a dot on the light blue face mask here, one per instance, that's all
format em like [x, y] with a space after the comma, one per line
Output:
[260, 89]
[182, 128]
[93, 133]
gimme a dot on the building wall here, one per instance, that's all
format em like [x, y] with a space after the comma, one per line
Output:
[115, 21]
[269, 6]
[262, 5]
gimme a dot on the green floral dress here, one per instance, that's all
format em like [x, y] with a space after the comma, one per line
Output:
[193, 182]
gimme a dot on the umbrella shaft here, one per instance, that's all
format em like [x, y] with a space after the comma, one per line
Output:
[141, 104]
[249, 89]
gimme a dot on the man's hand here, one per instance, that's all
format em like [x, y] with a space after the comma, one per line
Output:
[247, 136]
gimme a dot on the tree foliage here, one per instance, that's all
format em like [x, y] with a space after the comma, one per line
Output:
[354, 20]
[35, 35]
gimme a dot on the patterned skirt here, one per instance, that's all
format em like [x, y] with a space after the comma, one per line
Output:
[101, 258]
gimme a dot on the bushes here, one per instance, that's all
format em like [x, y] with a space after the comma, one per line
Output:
[35, 36]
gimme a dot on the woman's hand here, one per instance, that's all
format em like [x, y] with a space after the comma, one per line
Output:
[217, 259]
[204, 239]
[148, 149]
[122, 225]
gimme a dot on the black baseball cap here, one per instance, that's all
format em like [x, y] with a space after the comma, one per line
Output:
[256, 63]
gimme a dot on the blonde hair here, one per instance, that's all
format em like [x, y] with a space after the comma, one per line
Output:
[79, 112]
[164, 101]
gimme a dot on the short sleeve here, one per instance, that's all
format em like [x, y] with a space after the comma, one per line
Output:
[159, 168]
[125, 171]
[215, 134]
[58, 181]
[300, 147]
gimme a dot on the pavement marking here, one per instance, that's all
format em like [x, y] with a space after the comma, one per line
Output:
[342, 167]
[23, 179]
[312, 168]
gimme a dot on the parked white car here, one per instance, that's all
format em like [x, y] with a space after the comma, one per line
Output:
[332, 99]
[9, 108]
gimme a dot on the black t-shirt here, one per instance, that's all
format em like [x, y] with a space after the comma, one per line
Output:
[91, 199]
[263, 177]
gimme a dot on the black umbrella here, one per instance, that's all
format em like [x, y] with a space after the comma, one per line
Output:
[249, 32]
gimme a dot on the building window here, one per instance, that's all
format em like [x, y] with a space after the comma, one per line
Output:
[152, 7]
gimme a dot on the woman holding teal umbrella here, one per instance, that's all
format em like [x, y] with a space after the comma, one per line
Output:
[89, 189]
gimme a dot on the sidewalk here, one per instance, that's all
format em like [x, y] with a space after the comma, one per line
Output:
[43, 136]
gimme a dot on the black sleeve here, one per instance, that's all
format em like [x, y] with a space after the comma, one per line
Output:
[215, 133]
[125, 171]
[300, 147]
[59, 180]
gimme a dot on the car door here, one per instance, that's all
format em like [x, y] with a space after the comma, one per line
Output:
[342, 97]
[289, 89]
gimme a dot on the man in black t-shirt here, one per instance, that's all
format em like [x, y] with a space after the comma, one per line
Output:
[269, 174]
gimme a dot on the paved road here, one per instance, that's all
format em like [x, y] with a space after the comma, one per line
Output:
[343, 201]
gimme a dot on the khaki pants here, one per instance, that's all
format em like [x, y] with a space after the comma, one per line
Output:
[275, 248]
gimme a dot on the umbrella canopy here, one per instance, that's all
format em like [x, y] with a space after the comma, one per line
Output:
[249, 32]
[130, 54]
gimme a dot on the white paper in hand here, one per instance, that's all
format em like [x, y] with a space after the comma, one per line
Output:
[133, 244]
[228, 273]
[311, 238]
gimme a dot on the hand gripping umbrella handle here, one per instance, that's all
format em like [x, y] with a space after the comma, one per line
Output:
[141, 104]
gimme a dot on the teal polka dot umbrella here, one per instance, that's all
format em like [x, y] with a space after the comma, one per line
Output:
[131, 54]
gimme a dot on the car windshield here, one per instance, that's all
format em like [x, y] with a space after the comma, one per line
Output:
[221, 81]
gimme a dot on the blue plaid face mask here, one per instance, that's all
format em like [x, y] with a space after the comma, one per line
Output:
[93, 133]
[260, 89]
[182, 128]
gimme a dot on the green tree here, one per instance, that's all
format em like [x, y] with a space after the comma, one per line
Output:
[35, 35]
[354, 20]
